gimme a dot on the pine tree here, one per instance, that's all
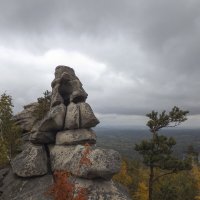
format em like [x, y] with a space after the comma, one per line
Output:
[9, 132]
[157, 152]
[43, 106]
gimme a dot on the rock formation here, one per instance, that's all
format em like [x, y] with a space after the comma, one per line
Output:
[62, 141]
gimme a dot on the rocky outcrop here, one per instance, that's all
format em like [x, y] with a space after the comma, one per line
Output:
[25, 119]
[54, 121]
[30, 162]
[63, 142]
[16, 188]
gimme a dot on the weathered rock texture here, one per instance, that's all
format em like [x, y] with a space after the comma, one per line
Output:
[25, 118]
[30, 162]
[103, 163]
[16, 188]
[64, 141]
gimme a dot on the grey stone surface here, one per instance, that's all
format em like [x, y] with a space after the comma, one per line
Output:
[3, 173]
[16, 188]
[104, 163]
[76, 136]
[56, 98]
[25, 119]
[61, 69]
[101, 189]
[87, 117]
[78, 95]
[42, 137]
[30, 162]
[54, 121]
[72, 116]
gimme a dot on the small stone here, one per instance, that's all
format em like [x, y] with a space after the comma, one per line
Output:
[76, 136]
[54, 121]
[30, 162]
[87, 117]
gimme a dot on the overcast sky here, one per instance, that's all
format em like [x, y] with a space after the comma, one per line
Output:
[132, 56]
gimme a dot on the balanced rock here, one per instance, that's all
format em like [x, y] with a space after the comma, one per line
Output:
[76, 136]
[103, 163]
[66, 129]
[54, 121]
[30, 162]
[66, 87]
[60, 69]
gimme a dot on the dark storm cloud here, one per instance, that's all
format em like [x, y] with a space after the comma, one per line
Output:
[150, 49]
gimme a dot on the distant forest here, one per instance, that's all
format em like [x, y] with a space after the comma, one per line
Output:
[124, 140]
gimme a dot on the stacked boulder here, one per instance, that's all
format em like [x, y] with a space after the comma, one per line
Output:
[59, 143]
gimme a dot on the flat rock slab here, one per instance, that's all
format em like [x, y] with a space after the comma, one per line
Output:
[16, 188]
[84, 162]
[76, 136]
[30, 162]
[54, 121]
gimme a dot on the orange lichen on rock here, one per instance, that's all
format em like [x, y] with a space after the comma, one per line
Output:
[84, 159]
[63, 189]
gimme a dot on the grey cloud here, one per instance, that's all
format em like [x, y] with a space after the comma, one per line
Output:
[153, 45]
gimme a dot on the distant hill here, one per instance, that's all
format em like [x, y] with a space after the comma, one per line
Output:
[124, 140]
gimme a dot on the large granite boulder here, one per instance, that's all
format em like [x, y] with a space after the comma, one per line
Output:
[16, 188]
[101, 163]
[26, 119]
[76, 136]
[30, 162]
[54, 121]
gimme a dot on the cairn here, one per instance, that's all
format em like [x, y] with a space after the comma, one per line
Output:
[59, 143]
